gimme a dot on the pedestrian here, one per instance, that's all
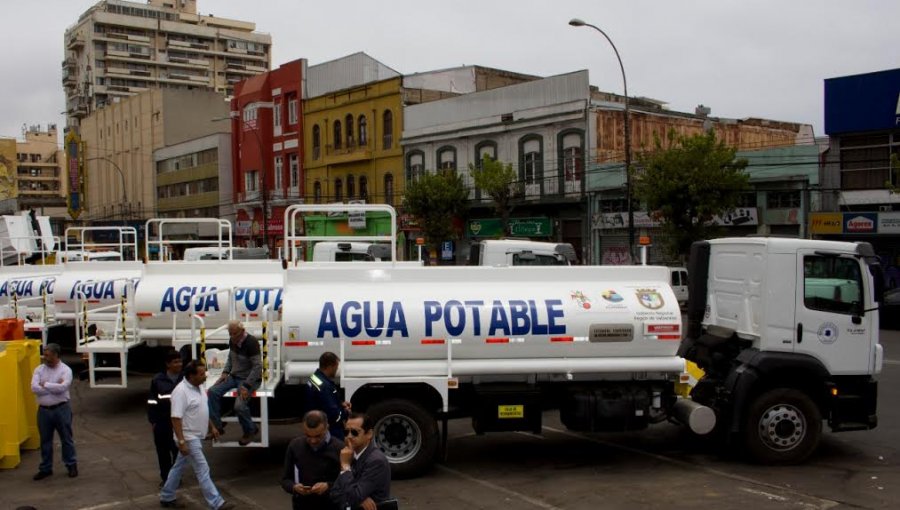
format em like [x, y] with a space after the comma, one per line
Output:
[243, 372]
[159, 413]
[322, 394]
[365, 479]
[50, 383]
[311, 463]
[190, 421]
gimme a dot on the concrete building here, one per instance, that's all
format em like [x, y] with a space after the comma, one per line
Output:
[118, 49]
[121, 143]
[860, 199]
[193, 178]
[36, 178]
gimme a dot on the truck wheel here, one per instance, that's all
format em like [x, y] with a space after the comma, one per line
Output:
[783, 427]
[407, 434]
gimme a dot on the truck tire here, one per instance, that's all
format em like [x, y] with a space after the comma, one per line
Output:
[407, 434]
[783, 427]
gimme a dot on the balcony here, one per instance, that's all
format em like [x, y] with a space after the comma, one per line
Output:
[249, 196]
[75, 42]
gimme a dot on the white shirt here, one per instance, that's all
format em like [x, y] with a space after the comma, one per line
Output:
[52, 392]
[189, 403]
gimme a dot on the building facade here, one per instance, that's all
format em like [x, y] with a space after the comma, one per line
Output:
[120, 144]
[40, 178]
[860, 182]
[193, 179]
[118, 49]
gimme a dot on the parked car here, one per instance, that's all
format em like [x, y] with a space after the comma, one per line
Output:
[679, 281]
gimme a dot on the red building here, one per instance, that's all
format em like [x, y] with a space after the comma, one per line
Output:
[267, 152]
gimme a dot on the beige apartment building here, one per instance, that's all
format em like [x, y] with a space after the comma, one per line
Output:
[118, 49]
[40, 177]
[121, 149]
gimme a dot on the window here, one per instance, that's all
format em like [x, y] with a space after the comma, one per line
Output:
[295, 171]
[338, 190]
[446, 158]
[415, 165]
[251, 181]
[279, 171]
[486, 148]
[573, 163]
[531, 161]
[388, 128]
[389, 189]
[316, 142]
[317, 192]
[747, 199]
[363, 187]
[571, 154]
[783, 199]
[337, 134]
[363, 134]
[348, 122]
[832, 284]
[276, 117]
[292, 110]
[351, 187]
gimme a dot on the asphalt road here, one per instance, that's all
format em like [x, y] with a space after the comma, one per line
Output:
[663, 467]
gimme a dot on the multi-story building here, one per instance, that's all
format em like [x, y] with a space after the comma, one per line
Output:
[122, 144]
[117, 49]
[40, 179]
[193, 178]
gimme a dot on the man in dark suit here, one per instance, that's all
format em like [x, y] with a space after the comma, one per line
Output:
[365, 479]
[311, 464]
[159, 410]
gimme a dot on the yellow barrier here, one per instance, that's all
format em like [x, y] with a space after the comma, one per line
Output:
[18, 406]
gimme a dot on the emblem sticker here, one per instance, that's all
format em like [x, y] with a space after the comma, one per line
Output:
[650, 298]
[582, 300]
[612, 296]
[828, 333]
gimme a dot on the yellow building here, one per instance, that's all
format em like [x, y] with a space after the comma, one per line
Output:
[352, 140]
[8, 190]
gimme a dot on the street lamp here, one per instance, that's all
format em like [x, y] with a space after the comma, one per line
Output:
[575, 22]
[121, 174]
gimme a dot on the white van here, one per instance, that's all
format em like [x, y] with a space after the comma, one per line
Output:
[521, 252]
[330, 251]
[679, 281]
[216, 253]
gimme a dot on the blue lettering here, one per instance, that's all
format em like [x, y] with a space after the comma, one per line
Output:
[554, 312]
[183, 298]
[498, 319]
[518, 316]
[454, 329]
[278, 300]
[432, 315]
[252, 300]
[168, 301]
[476, 315]
[536, 327]
[328, 321]
[397, 321]
[239, 294]
[367, 314]
[351, 323]
[212, 301]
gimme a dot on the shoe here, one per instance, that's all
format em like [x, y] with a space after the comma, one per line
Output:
[227, 506]
[41, 475]
[172, 504]
[73, 471]
[248, 438]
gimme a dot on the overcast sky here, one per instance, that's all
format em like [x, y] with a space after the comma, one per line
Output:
[761, 58]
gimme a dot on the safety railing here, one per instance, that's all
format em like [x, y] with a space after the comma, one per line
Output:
[293, 218]
[125, 244]
[25, 247]
[121, 314]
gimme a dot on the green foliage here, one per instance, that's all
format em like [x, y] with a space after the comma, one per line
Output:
[496, 180]
[687, 183]
[435, 199]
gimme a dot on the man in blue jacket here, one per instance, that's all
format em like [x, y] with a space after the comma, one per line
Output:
[365, 479]
[322, 394]
[159, 409]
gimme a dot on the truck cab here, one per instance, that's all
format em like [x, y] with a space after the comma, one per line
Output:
[521, 252]
[330, 251]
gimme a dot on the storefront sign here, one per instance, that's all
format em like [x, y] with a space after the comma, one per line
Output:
[75, 171]
[826, 223]
[620, 220]
[889, 223]
[860, 223]
[521, 227]
[738, 217]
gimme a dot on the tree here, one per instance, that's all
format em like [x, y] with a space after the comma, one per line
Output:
[435, 199]
[686, 184]
[496, 179]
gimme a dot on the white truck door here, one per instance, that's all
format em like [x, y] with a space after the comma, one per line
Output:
[829, 320]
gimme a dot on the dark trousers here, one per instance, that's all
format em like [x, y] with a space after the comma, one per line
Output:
[166, 449]
[58, 419]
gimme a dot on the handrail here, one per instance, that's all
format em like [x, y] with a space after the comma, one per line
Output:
[295, 212]
[124, 233]
[223, 240]
[7, 246]
[121, 308]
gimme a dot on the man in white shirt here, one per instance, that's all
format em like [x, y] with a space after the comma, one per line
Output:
[50, 383]
[190, 421]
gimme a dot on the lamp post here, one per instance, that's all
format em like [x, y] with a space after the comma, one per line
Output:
[575, 22]
[262, 163]
[121, 174]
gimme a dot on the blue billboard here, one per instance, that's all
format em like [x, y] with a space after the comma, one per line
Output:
[863, 102]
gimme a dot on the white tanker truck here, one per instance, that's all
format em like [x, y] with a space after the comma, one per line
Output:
[604, 345]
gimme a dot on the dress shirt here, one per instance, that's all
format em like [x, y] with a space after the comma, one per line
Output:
[189, 403]
[53, 392]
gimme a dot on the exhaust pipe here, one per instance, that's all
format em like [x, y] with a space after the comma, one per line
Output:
[699, 418]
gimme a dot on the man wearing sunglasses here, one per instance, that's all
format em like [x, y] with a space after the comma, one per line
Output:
[311, 463]
[365, 479]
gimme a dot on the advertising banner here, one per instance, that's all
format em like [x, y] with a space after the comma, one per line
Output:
[75, 173]
[826, 223]
[860, 223]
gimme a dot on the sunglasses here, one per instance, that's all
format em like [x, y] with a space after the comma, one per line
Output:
[353, 432]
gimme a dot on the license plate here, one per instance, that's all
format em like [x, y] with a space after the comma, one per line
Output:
[508, 412]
